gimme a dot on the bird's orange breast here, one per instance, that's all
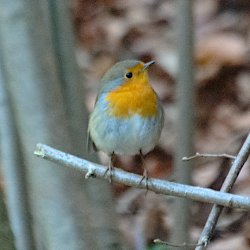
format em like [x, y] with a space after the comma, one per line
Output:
[133, 97]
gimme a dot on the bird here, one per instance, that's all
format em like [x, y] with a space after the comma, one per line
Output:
[128, 116]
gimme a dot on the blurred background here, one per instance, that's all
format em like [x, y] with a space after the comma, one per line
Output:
[52, 56]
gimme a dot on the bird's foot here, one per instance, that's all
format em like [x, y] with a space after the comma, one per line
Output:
[145, 177]
[110, 169]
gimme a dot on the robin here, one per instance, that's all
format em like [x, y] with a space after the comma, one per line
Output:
[128, 117]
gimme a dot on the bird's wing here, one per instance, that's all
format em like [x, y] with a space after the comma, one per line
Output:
[91, 147]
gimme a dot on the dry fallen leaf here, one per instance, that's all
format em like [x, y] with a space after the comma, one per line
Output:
[221, 49]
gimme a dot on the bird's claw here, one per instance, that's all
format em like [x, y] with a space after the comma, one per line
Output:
[109, 173]
[144, 176]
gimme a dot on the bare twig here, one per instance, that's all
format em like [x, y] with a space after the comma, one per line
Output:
[198, 155]
[226, 187]
[156, 185]
[186, 245]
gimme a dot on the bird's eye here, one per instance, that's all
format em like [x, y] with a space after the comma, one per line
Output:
[129, 75]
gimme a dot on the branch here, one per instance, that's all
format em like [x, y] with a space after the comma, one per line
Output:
[197, 155]
[187, 245]
[130, 179]
[226, 187]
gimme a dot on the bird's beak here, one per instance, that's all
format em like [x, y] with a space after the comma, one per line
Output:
[146, 65]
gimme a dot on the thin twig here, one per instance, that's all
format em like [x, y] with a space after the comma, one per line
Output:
[197, 155]
[186, 245]
[226, 187]
[156, 185]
